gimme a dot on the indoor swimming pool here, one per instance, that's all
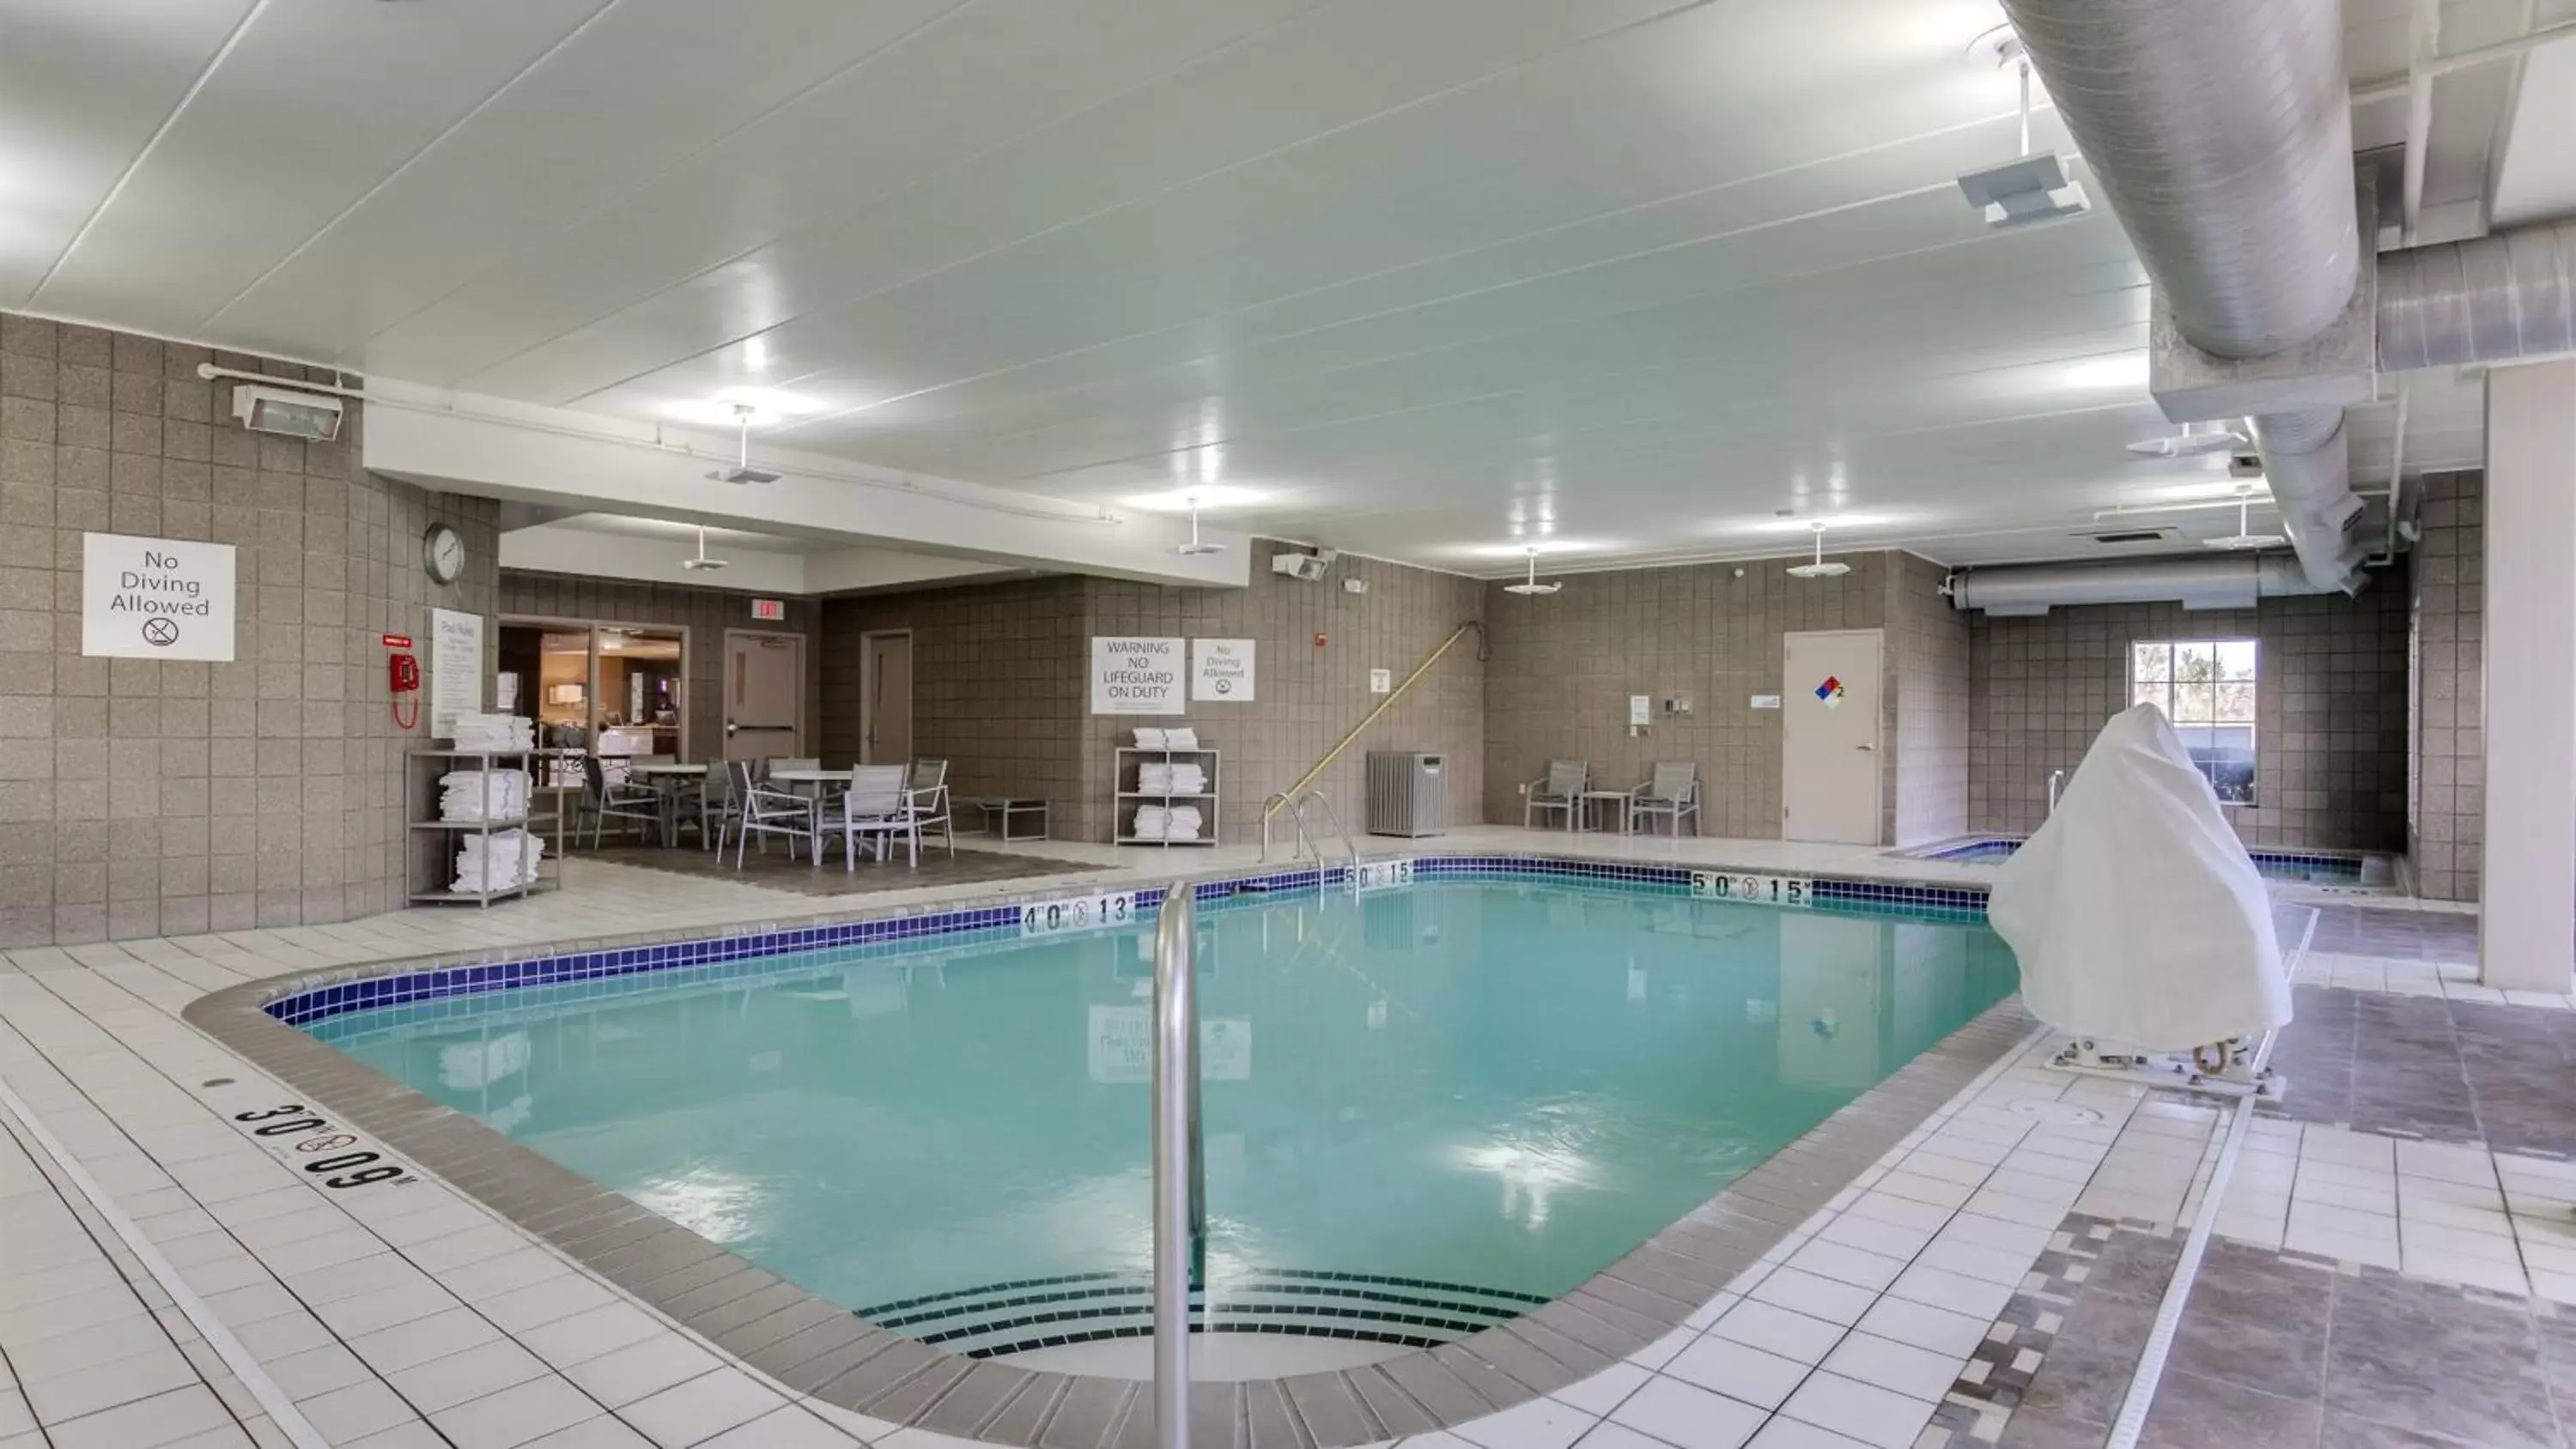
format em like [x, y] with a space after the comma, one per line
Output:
[1427, 1109]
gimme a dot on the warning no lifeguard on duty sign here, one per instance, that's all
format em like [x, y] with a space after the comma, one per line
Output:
[156, 598]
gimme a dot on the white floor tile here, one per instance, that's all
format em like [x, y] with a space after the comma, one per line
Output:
[1689, 1417]
[704, 1407]
[1803, 1292]
[1973, 1297]
[1842, 1264]
[1924, 1326]
[1600, 1393]
[1779, 1331]
[1739, 1371]
[515, 1416]
[1880, 1417]
[1790, 1434]
[1915, 1372]
[1538, 1424]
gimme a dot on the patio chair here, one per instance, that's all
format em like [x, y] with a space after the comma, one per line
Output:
[875, 806]
[621, 800]
[1560, 789]
[768, 810]
[928, 783]
[703, 803]
[1671, 792]
[725, 810]
[785, 763]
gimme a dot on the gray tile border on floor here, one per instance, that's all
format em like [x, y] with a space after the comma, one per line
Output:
[819, 1348]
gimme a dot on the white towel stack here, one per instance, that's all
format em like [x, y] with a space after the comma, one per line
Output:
[482, 795]
[1179, 822]
[510, 860]
[495, 732]
[1158, 778]
[1148, 738]
[1180, 737]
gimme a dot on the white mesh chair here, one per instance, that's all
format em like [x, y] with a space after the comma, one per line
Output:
[1560, 789]
[767, 810]
[606, 800]
[878, 807]
[928, 784]
[1671, 792]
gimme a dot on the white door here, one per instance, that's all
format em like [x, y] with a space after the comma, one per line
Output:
[887, 678]
[1829, 748]
[764, 695]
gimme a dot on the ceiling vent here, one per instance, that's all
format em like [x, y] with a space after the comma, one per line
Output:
[2132, 537]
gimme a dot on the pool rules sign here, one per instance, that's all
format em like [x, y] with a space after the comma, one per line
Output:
[156, 598]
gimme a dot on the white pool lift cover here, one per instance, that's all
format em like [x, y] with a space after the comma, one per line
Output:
[2136, 913]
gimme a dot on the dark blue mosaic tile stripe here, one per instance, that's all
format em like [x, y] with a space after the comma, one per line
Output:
[1965, 904]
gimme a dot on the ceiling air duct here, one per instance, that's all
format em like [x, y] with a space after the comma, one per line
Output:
[2232, 581]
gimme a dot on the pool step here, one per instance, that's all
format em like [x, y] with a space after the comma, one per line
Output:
[1006, 1318]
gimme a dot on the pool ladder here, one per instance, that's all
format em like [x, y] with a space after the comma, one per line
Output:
[1180, 1162]
[1304, 840]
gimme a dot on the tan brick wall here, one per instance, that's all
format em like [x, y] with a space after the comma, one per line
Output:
[2447, 822]
[140, 797]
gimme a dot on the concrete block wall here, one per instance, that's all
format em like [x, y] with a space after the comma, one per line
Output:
[997, 686]
[2447, 819]
[1565, 664]
[2330, 709]
[141, 797]
[706, 613]
[1308, 694]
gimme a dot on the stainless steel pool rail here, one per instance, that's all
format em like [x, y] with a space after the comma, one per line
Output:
[1180, 1179]
[1303, 843]
[2056, 782]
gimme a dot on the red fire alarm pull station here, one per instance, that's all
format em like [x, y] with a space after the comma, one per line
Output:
[1319, 641]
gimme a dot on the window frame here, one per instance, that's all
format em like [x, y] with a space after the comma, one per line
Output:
[2225, 682]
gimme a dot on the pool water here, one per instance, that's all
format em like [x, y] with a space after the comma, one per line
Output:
[2293, 867]
[1424, 1110]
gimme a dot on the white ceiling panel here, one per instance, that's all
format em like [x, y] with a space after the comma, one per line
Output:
[312, 107]
[83, 89]
[1424, 278]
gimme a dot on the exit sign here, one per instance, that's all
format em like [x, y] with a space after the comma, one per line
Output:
[770, 609]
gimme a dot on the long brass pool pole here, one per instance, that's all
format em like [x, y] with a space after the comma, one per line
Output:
[1178, 1196]
[1280, 800]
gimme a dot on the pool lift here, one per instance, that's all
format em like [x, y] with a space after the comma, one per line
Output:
[2143, 930]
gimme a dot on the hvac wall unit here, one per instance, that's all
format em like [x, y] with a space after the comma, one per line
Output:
[1406, 794]
[1166, 796]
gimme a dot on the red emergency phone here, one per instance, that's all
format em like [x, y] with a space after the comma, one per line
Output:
[404, 679]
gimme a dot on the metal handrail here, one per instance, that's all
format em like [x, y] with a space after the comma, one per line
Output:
[1269, 807]
[1283, 797]
[1180, 1182]
[1349, 846]
[2056, 782]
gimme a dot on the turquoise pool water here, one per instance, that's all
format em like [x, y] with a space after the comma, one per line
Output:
[1492, 1089]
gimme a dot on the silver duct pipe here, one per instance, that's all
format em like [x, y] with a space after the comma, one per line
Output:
[2494, 299]
[2221, 132]
[2218, 581]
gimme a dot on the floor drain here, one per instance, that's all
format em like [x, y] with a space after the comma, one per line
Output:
[2056, 1114]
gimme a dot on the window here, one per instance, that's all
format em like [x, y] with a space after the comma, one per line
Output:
[2206, 687]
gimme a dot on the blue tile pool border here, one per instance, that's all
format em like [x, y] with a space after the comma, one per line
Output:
[305, 1003]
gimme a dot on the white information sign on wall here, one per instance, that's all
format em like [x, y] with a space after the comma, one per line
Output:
[455, 669]
[1221, 670]
[1381, 681]
[1136, 676]
[156, 598]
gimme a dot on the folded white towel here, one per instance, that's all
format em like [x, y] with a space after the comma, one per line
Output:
[1181, 737]
[1148, 738]
[477, 795]
[1187, 780]
[496, 732]
[1153, 779]
[510, 860]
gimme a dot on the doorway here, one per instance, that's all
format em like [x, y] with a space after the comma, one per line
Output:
[1830, 780]
[764, 695]
[885, 679]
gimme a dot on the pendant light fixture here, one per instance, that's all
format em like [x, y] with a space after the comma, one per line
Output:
[1531, 585]
[702, 561]
[1196, 545]
[2244, 538]
[742, 471]
[1819, 569]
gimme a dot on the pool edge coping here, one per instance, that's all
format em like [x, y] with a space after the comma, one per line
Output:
[819, 1349]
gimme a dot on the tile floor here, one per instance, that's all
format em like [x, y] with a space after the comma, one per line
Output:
[410, 1316]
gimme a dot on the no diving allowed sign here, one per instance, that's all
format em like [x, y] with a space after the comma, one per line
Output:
[156, 598]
